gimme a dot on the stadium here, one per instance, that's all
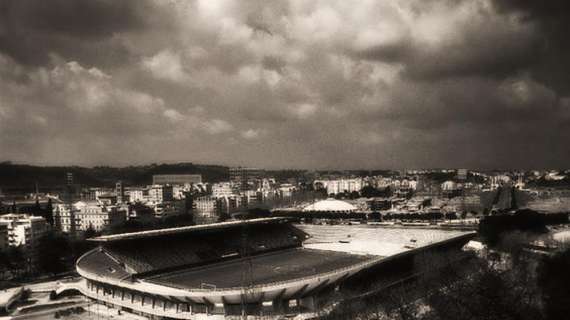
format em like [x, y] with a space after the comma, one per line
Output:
[255, 267]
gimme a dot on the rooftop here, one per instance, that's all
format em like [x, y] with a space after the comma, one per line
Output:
[330, 205]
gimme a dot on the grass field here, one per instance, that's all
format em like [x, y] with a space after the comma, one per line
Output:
[268, 268]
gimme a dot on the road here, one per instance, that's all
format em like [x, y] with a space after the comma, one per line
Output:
[44, 313]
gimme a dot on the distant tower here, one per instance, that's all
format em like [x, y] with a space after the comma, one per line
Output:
[69, 202]
[462, 174]
[120, 192]
[37, 191]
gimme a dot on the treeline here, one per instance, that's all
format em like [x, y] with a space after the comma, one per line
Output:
[520, 287]
[492, 227]
[56, 254]
[544, 183]
[23, 178]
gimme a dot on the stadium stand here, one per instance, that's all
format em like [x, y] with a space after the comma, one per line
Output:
[143, 256]
[102, 264]
[258, 266]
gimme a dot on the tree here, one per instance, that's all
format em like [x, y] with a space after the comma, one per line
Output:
[37, 209]
[17, 261]
[370, 192]
[460, 286]
[90, 232]
[554, 279]
[48, 212]
[4, 264]
[54, 254]
[504, 289]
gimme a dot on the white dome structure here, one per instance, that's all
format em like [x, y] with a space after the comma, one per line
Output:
[330, 205]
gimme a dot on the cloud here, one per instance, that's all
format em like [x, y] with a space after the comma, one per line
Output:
[173, 115]
[166, 65]
[325, 83]
[87, 31]
[303, 110]
[250, 134]
[217, 126]
[552, 20]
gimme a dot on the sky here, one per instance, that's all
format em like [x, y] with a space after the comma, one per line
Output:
[314, 84]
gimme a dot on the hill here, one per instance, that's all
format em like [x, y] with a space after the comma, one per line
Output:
[24, 177]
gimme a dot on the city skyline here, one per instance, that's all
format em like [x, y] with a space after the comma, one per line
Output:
[300, 85]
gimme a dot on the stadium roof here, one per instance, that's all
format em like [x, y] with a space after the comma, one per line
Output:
[180, 230]
[330, 205]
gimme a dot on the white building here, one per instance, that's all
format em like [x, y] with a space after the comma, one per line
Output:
[207, 209]
[251, 198]
[156, 193]
[229, 205]
[137, 194]
[160, 193]
[169, 208]
[179, 192]
[96, 216]
[25, 231]
[87, 214]
[341, 185]
[286, 190]
[222, 189]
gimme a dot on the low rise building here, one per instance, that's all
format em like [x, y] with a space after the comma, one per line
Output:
[137, 194]
[84, 215]
[245, 178]
[207, 209]
[96, 216]
[169, 208]
[160, 193]
[222, 189]
[286, 190]
[341, 185]
[180, 192]
[251, 199]
[140, 212]
[24, 231]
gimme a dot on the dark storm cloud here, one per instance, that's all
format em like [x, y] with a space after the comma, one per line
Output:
[323, 83]
[553, 18]
[75, 29]
[273, 63]
[536, 9]
[485, 45]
